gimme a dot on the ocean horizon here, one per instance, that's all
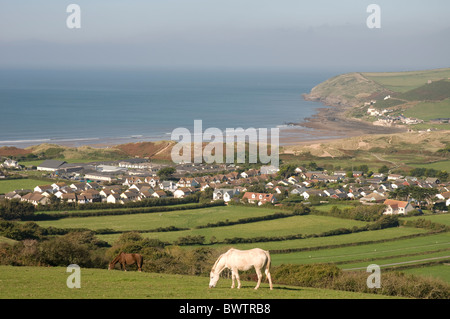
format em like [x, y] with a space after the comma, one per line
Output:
[95, 107]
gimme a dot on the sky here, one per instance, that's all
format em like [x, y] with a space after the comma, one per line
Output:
[226, 34]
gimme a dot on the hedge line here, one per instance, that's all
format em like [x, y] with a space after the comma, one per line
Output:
[155, 209]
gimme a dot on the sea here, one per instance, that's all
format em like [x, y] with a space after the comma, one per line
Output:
[106, 107]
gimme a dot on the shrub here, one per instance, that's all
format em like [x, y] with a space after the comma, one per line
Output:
[313, 275]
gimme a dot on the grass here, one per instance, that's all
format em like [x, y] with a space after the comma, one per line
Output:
[147, 221]
[421, 244]
[406, 81]
[280, 227]
[50, 283]
[429, 110]
[438, 271]
[7, 186]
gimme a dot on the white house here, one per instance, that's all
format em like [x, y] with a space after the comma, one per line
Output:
[10, 163]
[224, 194]
[395, 207]
[113, 198]
[182, 192]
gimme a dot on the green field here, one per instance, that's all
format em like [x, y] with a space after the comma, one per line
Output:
[429, 110]
[412, 249]
[279, 227]
[50, 283]
[7, 186]
[406, 81]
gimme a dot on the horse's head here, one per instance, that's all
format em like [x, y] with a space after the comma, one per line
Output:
[110, 266]
[213, 279]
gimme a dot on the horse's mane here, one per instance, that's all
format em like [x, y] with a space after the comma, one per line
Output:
[116, 259]
[217, 261]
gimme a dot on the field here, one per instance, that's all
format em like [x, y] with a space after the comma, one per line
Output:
[50, 283]
[25, 183]
[313, 241]
[406, 81]
[429, 110]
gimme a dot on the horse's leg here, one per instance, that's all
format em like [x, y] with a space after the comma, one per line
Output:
[232, 279]
[259, 274]
[124, 264]
[269, 278]
[237, 278]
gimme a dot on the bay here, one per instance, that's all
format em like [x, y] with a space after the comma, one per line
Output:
[78, 107]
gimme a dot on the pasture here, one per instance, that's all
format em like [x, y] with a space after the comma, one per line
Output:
[50, 283]
[9, 185]
[415, 250]
[405, 81]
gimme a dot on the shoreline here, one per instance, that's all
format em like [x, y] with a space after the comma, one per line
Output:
[331, 123]
[328, 124]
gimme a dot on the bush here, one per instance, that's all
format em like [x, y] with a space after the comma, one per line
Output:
[313, 275]
[15, 209]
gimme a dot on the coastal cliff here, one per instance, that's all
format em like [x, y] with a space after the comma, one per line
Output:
[346, 90]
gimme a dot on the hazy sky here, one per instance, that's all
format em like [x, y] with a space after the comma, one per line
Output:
[226, 33]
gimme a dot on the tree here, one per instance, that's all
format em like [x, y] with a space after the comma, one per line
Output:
[166, 172]
[15, 209]
[383, 169]
[287, 170]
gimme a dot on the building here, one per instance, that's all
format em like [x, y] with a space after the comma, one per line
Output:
[224, 194]
[259, 198]
[395, 207]
[51, 165]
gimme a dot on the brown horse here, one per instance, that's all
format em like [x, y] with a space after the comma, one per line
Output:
[127, 259]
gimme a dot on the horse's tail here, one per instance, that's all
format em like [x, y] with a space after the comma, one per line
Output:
[267, 271]
[268, 261]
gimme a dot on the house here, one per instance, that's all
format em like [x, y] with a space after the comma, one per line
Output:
[69, 197]
[312, 192]
[445, 197]
[133, 180]
[13, 195]
[91, 196]
[259, 198]
[152, 181]
[432, 181]
[159, 194]
[58, 186]
[394, 177]
[373, 198]
[36, 198]
[51, 165]
[10, 163]
[113, 198]
[130, 195]
[269, 169]
[43, 188]
[395, 207]
[168, 186]
[224, 194]
[182, 192]
[250, 173]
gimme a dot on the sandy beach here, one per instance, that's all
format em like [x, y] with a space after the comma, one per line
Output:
[330, 123]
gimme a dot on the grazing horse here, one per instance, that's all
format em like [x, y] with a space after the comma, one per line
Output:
[127, 259]
[241, 260]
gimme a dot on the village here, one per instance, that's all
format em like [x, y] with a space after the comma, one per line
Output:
[136, 179]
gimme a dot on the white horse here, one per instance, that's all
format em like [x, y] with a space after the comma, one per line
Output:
[241, 260]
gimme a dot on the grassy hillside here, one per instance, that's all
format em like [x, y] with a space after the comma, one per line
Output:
[50, 283]
[350, 89]
[406, 81]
